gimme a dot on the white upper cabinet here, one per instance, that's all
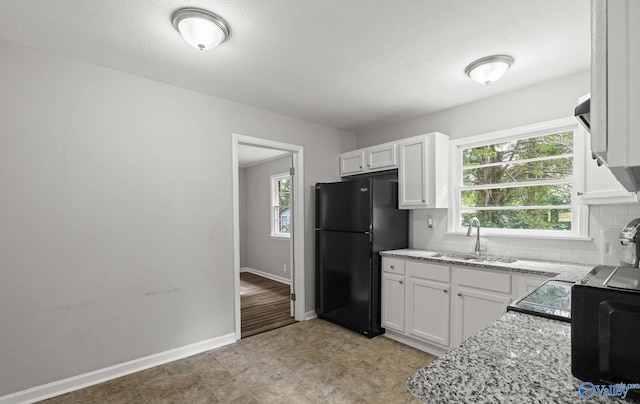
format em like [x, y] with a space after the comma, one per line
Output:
[381, 157]
[615, 87]
[600, 186]
[423, 171]
[352, 163]
[370, 159]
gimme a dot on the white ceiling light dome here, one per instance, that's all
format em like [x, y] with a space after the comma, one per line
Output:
[200, 28]
[489, 69]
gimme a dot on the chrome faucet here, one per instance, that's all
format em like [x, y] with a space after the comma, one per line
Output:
[474, 220]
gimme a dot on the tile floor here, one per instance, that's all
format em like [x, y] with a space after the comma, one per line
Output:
[307, 362]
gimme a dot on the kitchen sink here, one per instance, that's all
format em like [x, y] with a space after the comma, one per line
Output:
[473, 257]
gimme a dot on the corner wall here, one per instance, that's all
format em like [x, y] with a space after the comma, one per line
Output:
[116, 213]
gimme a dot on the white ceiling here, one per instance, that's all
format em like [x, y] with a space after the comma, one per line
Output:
[349, 64]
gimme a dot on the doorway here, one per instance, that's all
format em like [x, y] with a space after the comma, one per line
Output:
[279, 259]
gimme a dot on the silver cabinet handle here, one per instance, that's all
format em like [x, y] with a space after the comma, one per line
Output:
[423, 201]
[459, 294]
[580, 193]
[392, 267]
[401, 282]
[360, 166]
[445, 290]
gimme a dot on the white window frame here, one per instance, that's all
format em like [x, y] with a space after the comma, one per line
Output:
[580, 213]
[274, 203]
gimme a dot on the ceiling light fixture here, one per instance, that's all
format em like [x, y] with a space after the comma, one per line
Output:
[201, 28]
[489, 69]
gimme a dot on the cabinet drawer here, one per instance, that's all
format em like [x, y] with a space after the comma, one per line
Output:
[434, 272]
[493, 281]
[393, 265]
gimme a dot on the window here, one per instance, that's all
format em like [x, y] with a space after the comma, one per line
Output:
[520, 181]
[281, 205]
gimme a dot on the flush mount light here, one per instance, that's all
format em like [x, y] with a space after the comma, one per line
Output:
[201, 28]
[489, 69]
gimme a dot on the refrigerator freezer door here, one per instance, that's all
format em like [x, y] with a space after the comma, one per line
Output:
[344, 281]
[344, 206]
[389, 223]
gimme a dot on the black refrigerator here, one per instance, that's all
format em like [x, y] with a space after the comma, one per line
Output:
[355, 220]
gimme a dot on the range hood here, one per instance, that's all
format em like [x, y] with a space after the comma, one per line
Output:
[583, 113]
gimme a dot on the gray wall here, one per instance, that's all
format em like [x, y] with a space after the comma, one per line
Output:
[116, 213]
[543, 102]
[242, 200]
[263, 252]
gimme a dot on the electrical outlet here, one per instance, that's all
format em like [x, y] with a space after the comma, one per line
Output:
[430, 226]
[284, 267]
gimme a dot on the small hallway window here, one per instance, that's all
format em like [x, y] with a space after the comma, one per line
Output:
[281, 205]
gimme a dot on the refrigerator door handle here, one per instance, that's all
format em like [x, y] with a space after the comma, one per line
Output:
[370, 236]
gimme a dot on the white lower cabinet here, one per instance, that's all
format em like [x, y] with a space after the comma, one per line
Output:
[476, 309]
[393, 299]
[416, 303]
[435, 307]
[428, 310]
[481, 296]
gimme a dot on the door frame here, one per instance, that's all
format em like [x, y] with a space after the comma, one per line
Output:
[298, 221]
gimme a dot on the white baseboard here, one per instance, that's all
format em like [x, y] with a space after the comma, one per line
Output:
[266, 275]
[310, 315]
[423, 346]
[63, 386]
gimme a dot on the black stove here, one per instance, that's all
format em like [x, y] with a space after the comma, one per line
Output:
[552, 299]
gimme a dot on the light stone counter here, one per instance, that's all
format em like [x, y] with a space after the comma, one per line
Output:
[559, 270]
[518, 358]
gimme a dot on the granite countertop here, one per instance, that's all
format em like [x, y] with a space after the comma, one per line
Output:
[518, 358]
[559, 270]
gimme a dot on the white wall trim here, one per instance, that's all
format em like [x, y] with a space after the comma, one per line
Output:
[298, 273]
[266, 275]
[310, 315]
[579, 228]
[63, 386]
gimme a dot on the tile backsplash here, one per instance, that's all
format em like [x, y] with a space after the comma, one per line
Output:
[605, 223]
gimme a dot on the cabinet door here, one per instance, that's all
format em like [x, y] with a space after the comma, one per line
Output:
[615, 59]
[428, 310]
[600, 186]
[381, 157]
[393, 300]
[351, 163]
[412, 174]
[476, 310]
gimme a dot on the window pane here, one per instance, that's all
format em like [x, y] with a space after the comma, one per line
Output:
[283, 219]
[284, 190]
[541, 146]
[535, 170]
[542, 195]
[534, 219]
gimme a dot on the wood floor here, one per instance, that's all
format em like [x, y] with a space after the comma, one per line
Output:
[264, 304]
